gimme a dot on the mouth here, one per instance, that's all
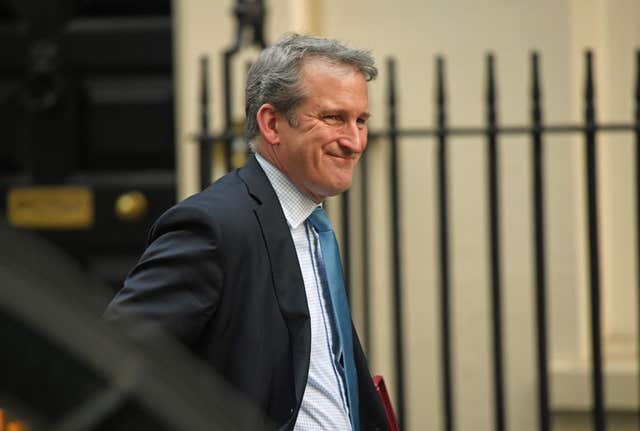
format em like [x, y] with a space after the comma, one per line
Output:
[342, 161]
[350, 156]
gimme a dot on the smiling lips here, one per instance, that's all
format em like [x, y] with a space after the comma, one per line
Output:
[345, 161]
[345, 154]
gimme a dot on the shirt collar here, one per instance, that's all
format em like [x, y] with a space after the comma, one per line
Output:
[297, 207]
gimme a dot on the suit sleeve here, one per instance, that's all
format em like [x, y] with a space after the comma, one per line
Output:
[176, 285]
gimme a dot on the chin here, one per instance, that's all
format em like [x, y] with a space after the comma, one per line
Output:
[340, 187]
[335, 182]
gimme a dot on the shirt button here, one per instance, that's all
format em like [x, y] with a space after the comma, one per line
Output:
[291, 411]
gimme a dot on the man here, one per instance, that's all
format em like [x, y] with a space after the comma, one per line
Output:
[243, 274]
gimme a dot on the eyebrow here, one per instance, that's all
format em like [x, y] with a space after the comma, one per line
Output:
[324, 111]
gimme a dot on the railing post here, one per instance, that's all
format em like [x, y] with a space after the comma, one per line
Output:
[396, 240]
[364, 232]
[493, 167]
[443, 217]
[249, 17]
[539, 245]
[594, 246]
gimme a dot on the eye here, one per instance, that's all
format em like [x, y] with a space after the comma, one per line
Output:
[362, 121]
[332, 118]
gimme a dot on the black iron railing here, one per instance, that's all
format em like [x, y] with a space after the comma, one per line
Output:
[536, 131]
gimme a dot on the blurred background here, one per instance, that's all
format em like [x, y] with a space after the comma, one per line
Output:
[491, 234]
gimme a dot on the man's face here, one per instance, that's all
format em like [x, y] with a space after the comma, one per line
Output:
[320, 151]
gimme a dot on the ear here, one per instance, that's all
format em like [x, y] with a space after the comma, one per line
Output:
[267, 118]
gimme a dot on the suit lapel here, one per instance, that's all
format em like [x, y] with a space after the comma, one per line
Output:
[287, 278]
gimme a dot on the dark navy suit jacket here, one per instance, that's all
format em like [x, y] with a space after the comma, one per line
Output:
[221, 274]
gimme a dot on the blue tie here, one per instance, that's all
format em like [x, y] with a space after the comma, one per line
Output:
[331, 257]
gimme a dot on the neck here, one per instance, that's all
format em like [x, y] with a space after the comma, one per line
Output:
[269, 153]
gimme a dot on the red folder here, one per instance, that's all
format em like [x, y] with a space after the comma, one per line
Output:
[378, 381]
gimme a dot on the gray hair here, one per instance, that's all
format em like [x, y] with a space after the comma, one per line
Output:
[275, 76]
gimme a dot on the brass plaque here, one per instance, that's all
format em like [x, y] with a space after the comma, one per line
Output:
[50, 207]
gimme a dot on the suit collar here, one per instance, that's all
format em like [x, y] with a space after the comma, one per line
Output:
[287, 278]
[256, 181]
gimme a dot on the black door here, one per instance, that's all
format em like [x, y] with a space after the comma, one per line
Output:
[87, 149]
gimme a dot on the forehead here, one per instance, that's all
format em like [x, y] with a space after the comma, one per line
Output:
[325, 82]
[313, 68]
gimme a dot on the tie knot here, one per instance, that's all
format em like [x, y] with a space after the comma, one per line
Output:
[320, 220]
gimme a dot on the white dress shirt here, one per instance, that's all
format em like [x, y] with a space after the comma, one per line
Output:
[324, 403]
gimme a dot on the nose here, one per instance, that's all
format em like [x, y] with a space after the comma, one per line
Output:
[353, 138]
